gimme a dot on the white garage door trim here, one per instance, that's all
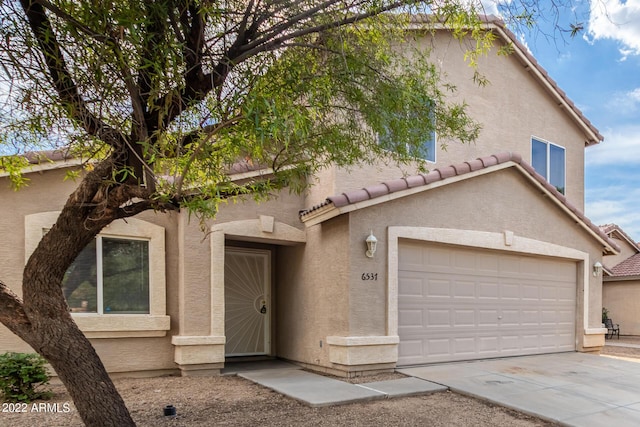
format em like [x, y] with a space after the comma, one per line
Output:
[505, 241]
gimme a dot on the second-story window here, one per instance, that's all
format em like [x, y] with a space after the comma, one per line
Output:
[549, 160]
[426, 150]
[429, 147]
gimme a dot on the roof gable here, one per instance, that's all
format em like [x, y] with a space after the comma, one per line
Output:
[389, 190]
[614, 231]
[522, 54]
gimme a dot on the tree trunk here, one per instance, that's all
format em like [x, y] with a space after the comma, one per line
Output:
[80, 369]
[42, 318]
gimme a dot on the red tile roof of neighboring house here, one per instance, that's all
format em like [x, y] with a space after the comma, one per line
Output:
[609, 229]
[37, 157]
[441, 174]
[47, 160]
[628, 267]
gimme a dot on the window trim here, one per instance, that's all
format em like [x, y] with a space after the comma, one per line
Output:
[435, 148]
[156, 322]
[548, 159]
[434, 133]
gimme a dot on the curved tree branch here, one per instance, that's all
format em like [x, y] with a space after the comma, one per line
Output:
[12, 313]
[62, 80]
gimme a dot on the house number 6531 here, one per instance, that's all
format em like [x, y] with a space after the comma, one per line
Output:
[369, 276]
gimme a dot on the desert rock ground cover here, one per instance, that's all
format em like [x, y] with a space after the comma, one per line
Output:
[233, 401]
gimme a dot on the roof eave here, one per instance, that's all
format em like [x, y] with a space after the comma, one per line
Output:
[330, 210]
[635, 277]
[48, 165]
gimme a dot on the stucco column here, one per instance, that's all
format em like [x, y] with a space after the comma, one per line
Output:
[199, 346]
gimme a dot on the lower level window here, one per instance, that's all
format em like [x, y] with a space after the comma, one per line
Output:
[110, 276]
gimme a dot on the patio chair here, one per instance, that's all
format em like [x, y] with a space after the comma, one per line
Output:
[612, 328]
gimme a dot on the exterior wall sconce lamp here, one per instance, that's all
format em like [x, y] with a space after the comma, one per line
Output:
[597, 269]
[372, 242]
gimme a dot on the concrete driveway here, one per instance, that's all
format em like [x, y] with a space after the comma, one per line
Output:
[575, 389]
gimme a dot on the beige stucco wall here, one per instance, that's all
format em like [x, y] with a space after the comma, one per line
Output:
[511, 108]
[199, 346]
[196, 312]
[622, 299]
[495, 202]
[312, 292]
[356, 316]
[47, 192]
[626, 250]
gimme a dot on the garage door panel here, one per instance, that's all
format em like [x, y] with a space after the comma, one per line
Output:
[488, 344]
[464, 346]
[486, 304]
[438, 288]
[412, 287]
[465, 318]
[510, 291]
[410, 318]
[439, 318]
[464, 289]
[488, 290]
[411, 348]
[530, 292]
[530, 317]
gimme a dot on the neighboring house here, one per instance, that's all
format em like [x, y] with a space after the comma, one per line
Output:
[621, 281]
[481, 259]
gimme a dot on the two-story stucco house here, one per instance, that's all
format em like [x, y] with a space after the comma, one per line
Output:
[489, 257]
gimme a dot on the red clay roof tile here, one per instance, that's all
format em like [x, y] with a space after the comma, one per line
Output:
[462, 168]
[431, 177]
[415, 181]
[396, 185]
[628, 267]
[442, 174]
[446, 172]
[377, 190]
[356, 196]
[475, 165]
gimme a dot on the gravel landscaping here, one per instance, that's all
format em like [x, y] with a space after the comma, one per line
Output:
[233, 401]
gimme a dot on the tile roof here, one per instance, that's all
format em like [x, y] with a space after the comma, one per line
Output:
[57, 155]
[628, 267]
[442, 174]
[609, 229]
[38, 161]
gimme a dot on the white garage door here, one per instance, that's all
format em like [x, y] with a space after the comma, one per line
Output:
[461, 304]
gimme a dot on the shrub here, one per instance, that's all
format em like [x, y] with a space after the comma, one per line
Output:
[22, 377]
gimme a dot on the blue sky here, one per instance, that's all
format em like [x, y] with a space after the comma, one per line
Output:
[599, 70]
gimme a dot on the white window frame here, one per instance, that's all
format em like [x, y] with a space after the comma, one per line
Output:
[548, 159]
[100, 271]
[435, 148]
[97, 325]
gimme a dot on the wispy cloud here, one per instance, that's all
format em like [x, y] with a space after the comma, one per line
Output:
[614, 205]
[613, 173]
[625, 102]
[617, 20]
[621, 145]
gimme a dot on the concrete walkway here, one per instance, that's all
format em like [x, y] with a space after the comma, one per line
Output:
[575, 389]
[318, 390]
